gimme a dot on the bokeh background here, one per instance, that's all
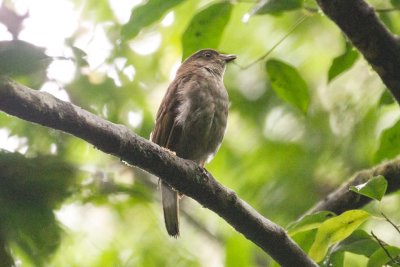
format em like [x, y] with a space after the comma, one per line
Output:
[64, 203]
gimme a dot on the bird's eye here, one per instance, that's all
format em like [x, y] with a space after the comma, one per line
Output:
[207, 54]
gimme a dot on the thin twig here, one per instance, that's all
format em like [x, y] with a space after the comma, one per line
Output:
[382, 245]
[294, 27]
[392, 223]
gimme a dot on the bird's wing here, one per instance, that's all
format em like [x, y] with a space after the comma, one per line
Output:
[166, 132]
[168, 129]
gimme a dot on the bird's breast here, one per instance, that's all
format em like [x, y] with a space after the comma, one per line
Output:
[202, 115]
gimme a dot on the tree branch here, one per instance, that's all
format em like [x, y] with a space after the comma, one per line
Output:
[343, 199]
[361, 25]
[382, 50]
[184, 175]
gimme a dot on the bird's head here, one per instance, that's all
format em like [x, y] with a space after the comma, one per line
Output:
[209, 59]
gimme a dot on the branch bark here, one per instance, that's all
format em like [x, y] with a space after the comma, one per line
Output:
[361, 25]
[184, 175]
[342, 199]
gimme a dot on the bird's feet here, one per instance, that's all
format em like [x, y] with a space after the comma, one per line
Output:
[172, 153]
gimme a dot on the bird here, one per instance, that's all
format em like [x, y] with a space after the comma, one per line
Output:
[191, 119]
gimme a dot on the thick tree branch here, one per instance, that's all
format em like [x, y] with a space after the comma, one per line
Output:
[361, 25]
[184, 175]
[343, 199]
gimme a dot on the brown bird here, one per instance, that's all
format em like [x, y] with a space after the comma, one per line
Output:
[191, 119]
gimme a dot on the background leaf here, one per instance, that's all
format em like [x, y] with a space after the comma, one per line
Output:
[288, 84]
[389, 143]
[276, 6]
[206, 28]
[343, 62]
[146, 14]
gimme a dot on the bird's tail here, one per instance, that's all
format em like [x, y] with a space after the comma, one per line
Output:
[171, 208]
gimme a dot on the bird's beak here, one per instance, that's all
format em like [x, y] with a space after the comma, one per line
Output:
[228, 58]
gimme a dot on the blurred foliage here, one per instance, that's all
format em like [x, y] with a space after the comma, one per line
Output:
[304, 117]
[21, 58]
[276, 6]
[30, 189]
[23, 61]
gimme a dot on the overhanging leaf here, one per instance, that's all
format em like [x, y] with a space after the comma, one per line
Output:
[309, 222]
[145, 15]
[288, 84]
[276, 6]
[206, 28]
[375, 188]
[343, 62]
[334, 230]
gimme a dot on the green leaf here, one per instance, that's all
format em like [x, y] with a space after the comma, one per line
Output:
[334, 230]
[305, 239]
[374, 188]
[276, 6]
[21, 58]
[359, 242]
[336, 260]
[380, 258]
[389, 145]
[343, 62]
[288, 84]
[386, 98]
[206, 28]
[146, 14]
[309, 222]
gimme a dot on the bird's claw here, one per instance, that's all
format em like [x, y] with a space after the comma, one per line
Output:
[172, 153]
